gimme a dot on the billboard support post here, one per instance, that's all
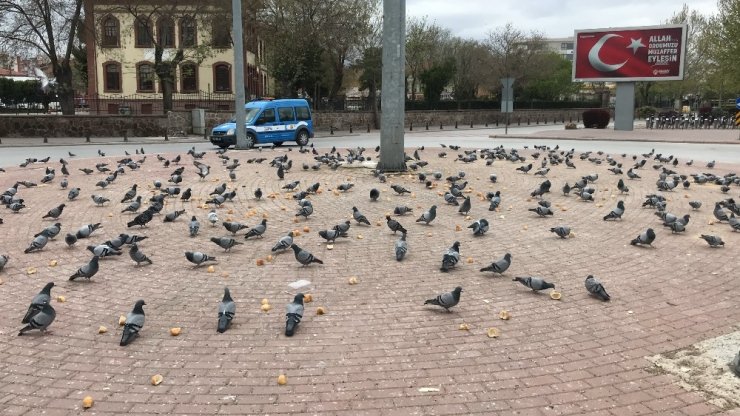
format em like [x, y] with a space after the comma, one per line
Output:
[624, 109]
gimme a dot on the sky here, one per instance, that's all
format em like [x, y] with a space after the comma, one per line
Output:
[554, 18]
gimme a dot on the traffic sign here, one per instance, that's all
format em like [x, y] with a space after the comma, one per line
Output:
[507, 95]
[737, 103]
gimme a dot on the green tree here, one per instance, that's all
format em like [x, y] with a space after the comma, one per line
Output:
[515, 54]
[552, 81]
[371, 77]
[472, 63]
[436, 78]
[426, 46]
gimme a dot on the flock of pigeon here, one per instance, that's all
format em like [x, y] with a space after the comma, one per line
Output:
[41, 314]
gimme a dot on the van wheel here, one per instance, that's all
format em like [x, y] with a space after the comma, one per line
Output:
[251, 140]
[277, 144]
[302, 137]
[224, 146]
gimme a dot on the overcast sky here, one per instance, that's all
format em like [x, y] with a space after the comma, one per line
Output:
[555, 18]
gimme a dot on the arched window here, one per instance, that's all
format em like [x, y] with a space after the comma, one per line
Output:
[188, 77]
[112, 77]
[111, 33]
[144, 77]
[166, 32]
[188, 33]
[222, 77]
[143, 32]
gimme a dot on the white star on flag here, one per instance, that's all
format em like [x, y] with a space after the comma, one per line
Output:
[635, 45]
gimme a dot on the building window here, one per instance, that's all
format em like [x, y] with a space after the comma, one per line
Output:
[144, 77]
[111, 32]
[221, 37]
[189, 77]
[166, 32]
[222, 77]
[188, 33]
[566, 45]
[112, 77]
[142, 33]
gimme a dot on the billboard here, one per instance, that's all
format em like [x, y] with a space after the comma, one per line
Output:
[654, 53]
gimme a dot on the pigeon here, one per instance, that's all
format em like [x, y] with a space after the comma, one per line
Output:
[130, 194]
[258, 194]
[293, 315]
[3, 261]
[499, 266]
[234, 227]
[734, 223]
[400, 190]
[40, 320]
[451, 257]
[713, 240]
[142, 219]
[394, 225]
[137, 255]
[680, 224]
[226, 312]
[446, 300]
[428, 216]
[357, 215]
[479, 227]
[194, 226]
[38, 302]
[88, 270]
[257, 230]
[87, 171]
[401, 247]
[55, 212]
[284, 243]
[344, 187]
[343, 227]
[451, 199]
[525, 169]
[73, 193]
[561, 231]
[616, 213]
[51, 231]
[134, 323]
[465, 206]
[37, 244]
[16, 206]
[172, 216]
[534, 283]
[542, 211]
[134, 206]
[330, 235]
[695, 204]
[186, 195]
[103, 250]
[645, 238]
[225, 243]
[303, 256]
[70, 239]
[719, 213]
[401, 210]
[374, 194]
[595, 288]
[99, 200]
[219, 189]
[131, 239]
[198, 258]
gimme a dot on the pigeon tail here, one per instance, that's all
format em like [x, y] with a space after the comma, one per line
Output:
[291, 324]
[128, 335]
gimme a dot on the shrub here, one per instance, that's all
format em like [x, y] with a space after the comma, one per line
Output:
[596, 118]
[646, 111]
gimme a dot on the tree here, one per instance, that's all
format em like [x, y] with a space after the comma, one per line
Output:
[436, 78]
[723, 50]
[472, 63]
[425, 47]
[552, 80]
[45, 27]
[371, 76]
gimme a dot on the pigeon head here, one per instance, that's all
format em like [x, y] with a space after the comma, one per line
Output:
[456, 293]
[298, 299]
[387, 217]
[620, 204]
[456, 246]
[508, 257]
[227, 294]
[589, 277]
[548, 286]
[650, 233]
[354, 209]
[138, 307]
[47, 288]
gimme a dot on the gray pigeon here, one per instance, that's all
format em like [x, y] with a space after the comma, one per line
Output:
[284, 243]
[172, 216]
[465, 206]
[561, 231]
[401, 210]
[542, 211]
[3, 261]
[55, 212]
[330, 235]
[293, 315]
[595, 288]
[479, 227]
[88, 270]
[401, 247]
[645, 238]
[305, 210]
[695, 204]
[103, 250]
[130, 194]
[428, 216]
[303, 256]
[70, 239]
[616, 213]
[534, 283]
[499, 266]
[357, 215]
[226, 312]
[73, 193]
[198, 258]
[134, 322]
[137, 255]
[258, 230]
[194, 226]
[343, 227]
[734, 222]
[446, 300]
[680, 224]
[719, 213]
[400, 189]
[86, 230]
[99, 199]
[394, 225]
[451, 257]
[40, 320]
[225, 243]
[234, 227]
[735, 364]
[38, 302]
[37, 244]
[451, 199]
[51, 231]
[713, 240]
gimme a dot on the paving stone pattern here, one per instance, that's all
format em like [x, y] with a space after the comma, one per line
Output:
[377, 345]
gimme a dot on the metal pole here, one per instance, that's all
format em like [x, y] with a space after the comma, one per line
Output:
[241, 128]
[393, 98]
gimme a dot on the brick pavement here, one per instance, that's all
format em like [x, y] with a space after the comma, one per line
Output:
[377, 345]
[640, 134]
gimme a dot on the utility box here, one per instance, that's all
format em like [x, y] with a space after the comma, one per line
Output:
[199, 121]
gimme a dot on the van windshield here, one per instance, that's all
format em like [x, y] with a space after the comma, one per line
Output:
[251, 114]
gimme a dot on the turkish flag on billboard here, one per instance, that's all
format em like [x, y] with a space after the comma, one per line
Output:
[630, 54]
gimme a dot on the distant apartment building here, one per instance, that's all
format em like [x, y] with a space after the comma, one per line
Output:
[121, 41]
[561, 46]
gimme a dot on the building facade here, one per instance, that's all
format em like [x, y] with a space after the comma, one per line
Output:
[122, 40]
[561, 46]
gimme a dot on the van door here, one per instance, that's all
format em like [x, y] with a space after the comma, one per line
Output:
[265, 125]
[287, 123]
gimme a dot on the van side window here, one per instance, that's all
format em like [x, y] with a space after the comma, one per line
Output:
[303, 113]
[267, 116]
[286, 113]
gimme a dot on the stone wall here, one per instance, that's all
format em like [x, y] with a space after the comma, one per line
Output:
[96, 126]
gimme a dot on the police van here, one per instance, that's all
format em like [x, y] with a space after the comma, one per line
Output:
[269, 121]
